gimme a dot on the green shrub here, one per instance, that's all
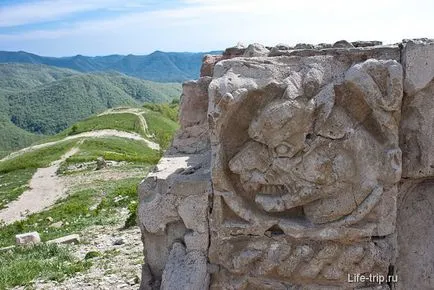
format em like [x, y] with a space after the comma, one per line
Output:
[74, 130]
[131, 221]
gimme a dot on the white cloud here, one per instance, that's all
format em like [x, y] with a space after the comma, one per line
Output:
[44, 11]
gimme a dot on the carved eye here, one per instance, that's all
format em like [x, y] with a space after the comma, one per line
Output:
[282, 149]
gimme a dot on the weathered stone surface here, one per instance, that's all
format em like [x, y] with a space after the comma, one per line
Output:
[278, 49]
[157, 250]
[234, 51]
[417, 125]
[197, 241]
[70, 239]
[282, 46]
[366, 43]
[159, 204]
[299, 262]
[304, 46]
[193, 211]
[27, 238]
[415, 234]
[185, 270]
[256, 50]
[342, 44]
[208, 64]
[287, 172]
[349, 55]
[174, 206]
[194, 103]
[323, 45]
[418, 62]
[193, 136]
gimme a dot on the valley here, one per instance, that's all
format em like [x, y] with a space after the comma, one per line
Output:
[38, 100]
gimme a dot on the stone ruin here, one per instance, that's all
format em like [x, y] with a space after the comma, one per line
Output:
[298, 168]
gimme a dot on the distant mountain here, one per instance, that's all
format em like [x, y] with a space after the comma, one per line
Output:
[157, 66]
[45, 100]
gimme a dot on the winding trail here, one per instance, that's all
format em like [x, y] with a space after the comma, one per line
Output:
[91, 134]
[45, 189]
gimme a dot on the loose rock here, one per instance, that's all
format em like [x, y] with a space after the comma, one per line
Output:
[28, 238]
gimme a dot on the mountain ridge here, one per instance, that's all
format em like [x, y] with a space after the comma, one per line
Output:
[157, 66]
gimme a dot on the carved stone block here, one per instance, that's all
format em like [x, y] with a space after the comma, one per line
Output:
[306, 147]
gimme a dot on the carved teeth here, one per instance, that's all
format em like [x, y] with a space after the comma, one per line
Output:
[272, 189]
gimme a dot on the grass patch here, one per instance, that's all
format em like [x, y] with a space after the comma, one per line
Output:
[13, 184]
[161, 127]
[22, 265]
[91, 206]
[38, 158]
[170, 111]
[157, 122]
[119, 121]
[116, 149]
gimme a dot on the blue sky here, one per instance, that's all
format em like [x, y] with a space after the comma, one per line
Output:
[101, 27]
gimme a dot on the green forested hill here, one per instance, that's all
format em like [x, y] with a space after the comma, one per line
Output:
[15, 76]
[45, 100]
[51, 108]
[143, 90]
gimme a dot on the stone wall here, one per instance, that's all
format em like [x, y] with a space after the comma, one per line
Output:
[298, 168]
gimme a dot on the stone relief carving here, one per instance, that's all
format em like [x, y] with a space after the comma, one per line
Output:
[318, 160]
[322, 150]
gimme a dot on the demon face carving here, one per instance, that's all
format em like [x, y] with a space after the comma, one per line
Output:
[328, 153]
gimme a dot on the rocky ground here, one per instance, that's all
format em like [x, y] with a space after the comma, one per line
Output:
[117, 264]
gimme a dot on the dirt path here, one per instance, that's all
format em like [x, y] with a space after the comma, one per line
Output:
[93, 134]
[45, 188]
